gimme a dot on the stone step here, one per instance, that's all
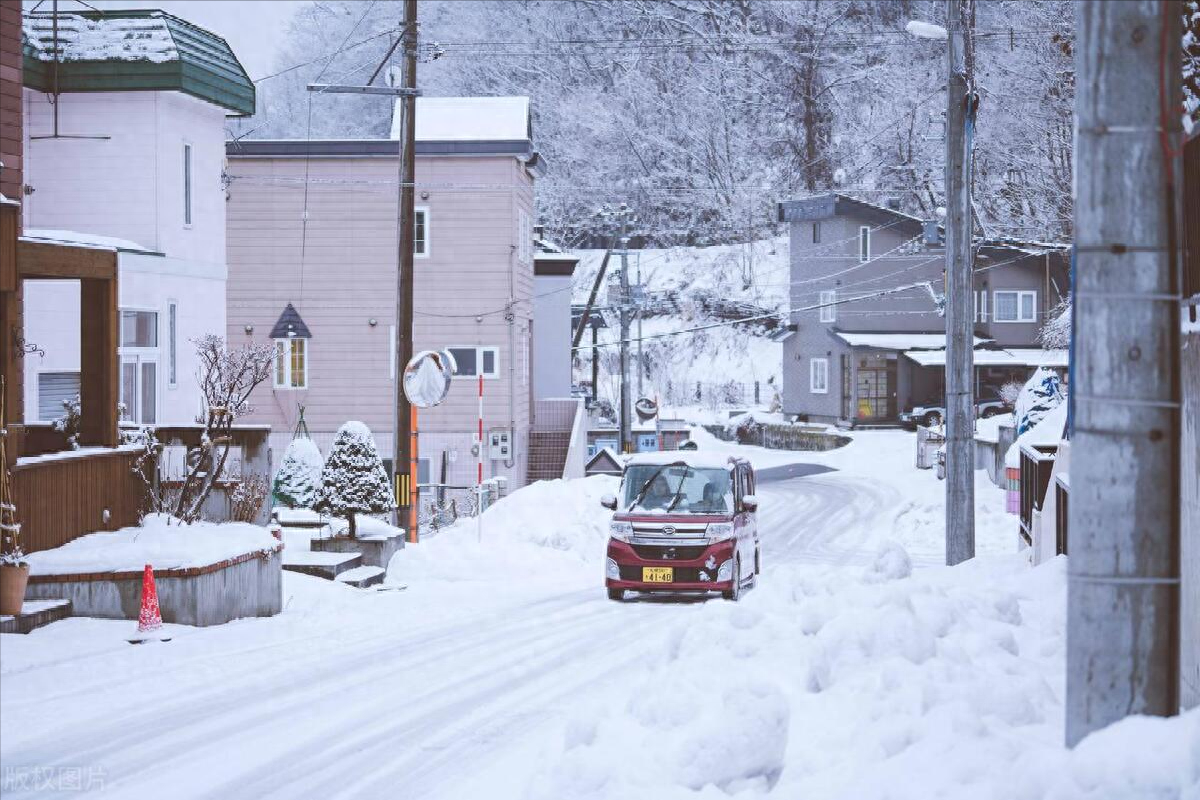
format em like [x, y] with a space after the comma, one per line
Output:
[35, 614]
[362, 577]
[321, 565]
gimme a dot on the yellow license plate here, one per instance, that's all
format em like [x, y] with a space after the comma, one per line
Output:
[658, 574]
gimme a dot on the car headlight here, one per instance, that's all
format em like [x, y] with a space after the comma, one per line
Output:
[612, 570]
[725, 571]
[719, 531]
[622, 531]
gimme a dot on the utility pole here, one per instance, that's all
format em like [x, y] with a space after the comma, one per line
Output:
[623, 242]
[1124, 573]
[403, 448]
[960, 334]
[641, 364]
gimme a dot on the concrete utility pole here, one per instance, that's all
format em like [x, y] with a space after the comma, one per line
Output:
[626, 421]
[1123, 589]
[960, 334]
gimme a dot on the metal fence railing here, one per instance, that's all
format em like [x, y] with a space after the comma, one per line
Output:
[441, 505]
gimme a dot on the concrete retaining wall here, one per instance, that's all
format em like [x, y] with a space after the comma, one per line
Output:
[375, 552]
[252, 587]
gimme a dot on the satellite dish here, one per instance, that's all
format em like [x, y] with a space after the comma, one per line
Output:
[427, 378]
[646, 409]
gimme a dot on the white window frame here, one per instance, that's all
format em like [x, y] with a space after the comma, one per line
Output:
[1020, 294]
[172, 344]
[286, 385]
[479, 351]
[818, 368]
[981, 306]
[138, 355]
[524, 236]
[425, 249]
[189, 180]
[864, 244]
[828, 309]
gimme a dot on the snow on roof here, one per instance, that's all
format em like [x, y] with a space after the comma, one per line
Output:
[692, 458]
[77, 239]
[1009, 357]
[899, 341]
[102, 39]
[468, 119]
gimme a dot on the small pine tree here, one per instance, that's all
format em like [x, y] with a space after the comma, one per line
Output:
[299, 477]
[353, 480]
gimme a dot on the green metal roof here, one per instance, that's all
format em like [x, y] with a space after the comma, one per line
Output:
[135, 50]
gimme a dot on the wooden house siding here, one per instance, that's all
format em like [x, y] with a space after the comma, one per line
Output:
[349, 274]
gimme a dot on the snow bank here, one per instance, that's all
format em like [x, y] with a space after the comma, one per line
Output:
[159, 541]
[527, 533]
[987, 429]
[1046, 431]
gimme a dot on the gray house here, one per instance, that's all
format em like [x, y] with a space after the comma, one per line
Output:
[866, 339]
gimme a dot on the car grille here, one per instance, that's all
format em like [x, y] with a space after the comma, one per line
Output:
[669, 552]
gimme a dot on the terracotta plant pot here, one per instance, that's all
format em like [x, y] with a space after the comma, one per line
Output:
[12, 588]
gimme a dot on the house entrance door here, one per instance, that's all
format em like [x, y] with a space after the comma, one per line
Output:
[876, 389]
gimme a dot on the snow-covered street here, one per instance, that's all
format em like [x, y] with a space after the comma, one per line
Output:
[503, 671]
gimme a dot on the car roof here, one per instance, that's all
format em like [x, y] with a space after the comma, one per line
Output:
[693, 458]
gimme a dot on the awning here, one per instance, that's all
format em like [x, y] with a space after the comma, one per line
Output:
[899, 341]
[1011, 357]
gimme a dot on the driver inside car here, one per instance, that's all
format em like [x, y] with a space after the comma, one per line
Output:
[659, 495]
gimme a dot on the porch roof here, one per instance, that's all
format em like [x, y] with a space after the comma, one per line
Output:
[899, 341]
[1011, 357]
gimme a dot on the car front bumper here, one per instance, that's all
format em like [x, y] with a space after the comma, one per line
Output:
[695, 568]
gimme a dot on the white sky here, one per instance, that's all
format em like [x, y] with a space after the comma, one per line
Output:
[255, 29]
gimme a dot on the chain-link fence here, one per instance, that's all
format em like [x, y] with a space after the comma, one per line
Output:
[441, 505]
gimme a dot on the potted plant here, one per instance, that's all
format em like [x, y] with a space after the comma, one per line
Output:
[14, 575]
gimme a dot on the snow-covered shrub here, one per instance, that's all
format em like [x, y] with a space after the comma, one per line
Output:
[1041, 393]
[247, 499]
[1056, 333]
[68, 423]
[299, 476]
[1009, 393]
[353, 480]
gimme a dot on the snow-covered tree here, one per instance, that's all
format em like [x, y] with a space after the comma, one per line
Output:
[353, 480]
[299, 476]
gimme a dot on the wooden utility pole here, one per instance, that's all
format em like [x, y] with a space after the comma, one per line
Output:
[961, 102]
[404, 450]
[1124, 578]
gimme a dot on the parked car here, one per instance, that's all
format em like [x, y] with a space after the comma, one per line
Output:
[931, 415]
[683, 522]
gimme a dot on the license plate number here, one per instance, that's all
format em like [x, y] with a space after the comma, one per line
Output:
[658, 574]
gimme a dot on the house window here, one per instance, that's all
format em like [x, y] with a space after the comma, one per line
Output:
[187, 184]
[421, 232]
[291, 363]
[172, 331]
[1014, 306]
[816, 233]
[818, 375]
[981, 306]
[55, 388]
[471, 360]
[828, 309]
[139, 366]
[864, 244]
[524, 237]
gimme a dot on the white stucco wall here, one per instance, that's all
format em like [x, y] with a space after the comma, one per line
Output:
[130, 186]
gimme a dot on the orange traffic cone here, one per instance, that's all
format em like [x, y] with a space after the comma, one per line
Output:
[149, 619]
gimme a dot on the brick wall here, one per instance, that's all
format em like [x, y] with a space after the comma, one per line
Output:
[10, 98]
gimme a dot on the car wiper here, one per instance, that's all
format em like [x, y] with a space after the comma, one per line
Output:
[678, 492]
[646, 486]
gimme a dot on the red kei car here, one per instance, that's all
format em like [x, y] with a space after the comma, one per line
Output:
[684, 522]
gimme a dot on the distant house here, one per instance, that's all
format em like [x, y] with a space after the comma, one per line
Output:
[312, 268]
[869, 348]
[124, 150]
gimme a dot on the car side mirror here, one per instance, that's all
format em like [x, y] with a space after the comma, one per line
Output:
[750, 503]
[609, 501]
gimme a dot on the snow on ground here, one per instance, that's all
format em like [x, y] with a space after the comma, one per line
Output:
[857, 668]
[159, 541]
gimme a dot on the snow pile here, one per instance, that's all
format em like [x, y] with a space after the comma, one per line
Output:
[299, 476]
[365, 527]
[546, 528]
[891, 563]
[160, 541]
[1042, 392]
[1048, 430]
[987, 429]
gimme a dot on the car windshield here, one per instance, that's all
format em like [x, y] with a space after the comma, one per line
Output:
[677, 488]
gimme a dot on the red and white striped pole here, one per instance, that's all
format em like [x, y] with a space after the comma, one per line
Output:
[479, 467]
